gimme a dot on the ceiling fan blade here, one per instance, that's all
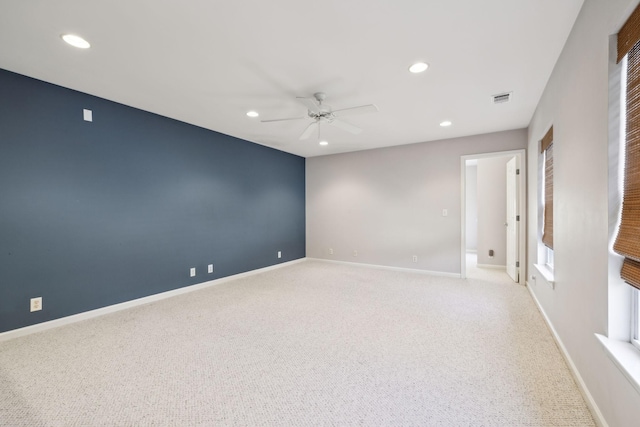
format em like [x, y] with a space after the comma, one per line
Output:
[346, 126]
[309, 130]
[363, 109]
[309, 103]
[282, 120]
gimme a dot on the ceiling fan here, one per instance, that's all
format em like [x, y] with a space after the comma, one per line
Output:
[324, 113]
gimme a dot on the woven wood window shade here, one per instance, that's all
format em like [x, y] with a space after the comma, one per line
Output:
[546, 147]
[629, 34]
[628, 240]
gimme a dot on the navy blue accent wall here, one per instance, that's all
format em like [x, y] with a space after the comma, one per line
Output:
[98, 213]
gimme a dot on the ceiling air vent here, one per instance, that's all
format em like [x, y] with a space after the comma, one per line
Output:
[501, 98]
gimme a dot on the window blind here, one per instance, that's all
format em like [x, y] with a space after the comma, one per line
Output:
[627, 242]
[629, 34]
[546, 147]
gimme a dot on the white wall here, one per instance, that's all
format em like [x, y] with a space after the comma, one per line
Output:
[471, 207]
[492, 210]
[387, 203]
[575, 101]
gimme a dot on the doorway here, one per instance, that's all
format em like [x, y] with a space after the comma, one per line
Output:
[493, 214]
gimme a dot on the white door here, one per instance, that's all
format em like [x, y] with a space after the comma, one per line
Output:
[512, 220]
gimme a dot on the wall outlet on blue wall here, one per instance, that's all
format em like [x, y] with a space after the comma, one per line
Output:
[36, 304]
[279, 254]
[210, 268]
[192, 272]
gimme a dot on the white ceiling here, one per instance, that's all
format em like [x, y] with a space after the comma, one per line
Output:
[208, 62]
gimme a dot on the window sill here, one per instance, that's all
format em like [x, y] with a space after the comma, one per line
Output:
[625, 356]
[547, 273]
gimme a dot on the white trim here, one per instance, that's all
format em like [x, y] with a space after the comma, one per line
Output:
[591, 403]
[27, 330]
[635, 319]
[463, 216]
[384, 267]
[493, 266]
[625, 356]
[521, 155]
[547, 273]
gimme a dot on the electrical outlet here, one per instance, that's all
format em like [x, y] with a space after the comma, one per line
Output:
[36, 304]
[87, 115]
[445, 212]
[210, 268]
[355, 253]
[330, 251]
[192, 272]
[279, 254]
[415, 258]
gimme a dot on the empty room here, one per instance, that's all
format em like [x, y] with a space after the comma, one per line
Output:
[363, 213]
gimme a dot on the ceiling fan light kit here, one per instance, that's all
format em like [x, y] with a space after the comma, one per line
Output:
[320, 112]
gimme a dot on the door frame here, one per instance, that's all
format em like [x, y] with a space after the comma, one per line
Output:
[522, 200]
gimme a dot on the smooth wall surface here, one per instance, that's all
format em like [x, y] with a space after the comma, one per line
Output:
[98, 213]
[387, 204]
[575, 102]
[492, 210]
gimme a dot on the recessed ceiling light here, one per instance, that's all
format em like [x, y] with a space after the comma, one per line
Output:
[252, 114]
[445, 123]
[76, 41]
[324, 143]
[418, 67]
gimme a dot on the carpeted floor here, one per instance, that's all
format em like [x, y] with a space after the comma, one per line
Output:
[312, 344]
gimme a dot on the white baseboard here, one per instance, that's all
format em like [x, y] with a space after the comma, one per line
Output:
[384, 267]
[591, 403]
[493, 266]
[15, 333]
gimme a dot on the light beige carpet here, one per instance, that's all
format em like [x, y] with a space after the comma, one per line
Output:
[312, 344]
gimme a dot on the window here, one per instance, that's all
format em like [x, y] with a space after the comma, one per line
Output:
[546, 148]
[622, 343]
[635, 330]
[545, 263]
[628, 235]
[549, 257]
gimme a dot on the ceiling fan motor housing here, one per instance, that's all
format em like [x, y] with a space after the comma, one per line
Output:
[319, 96]
[323, 114]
